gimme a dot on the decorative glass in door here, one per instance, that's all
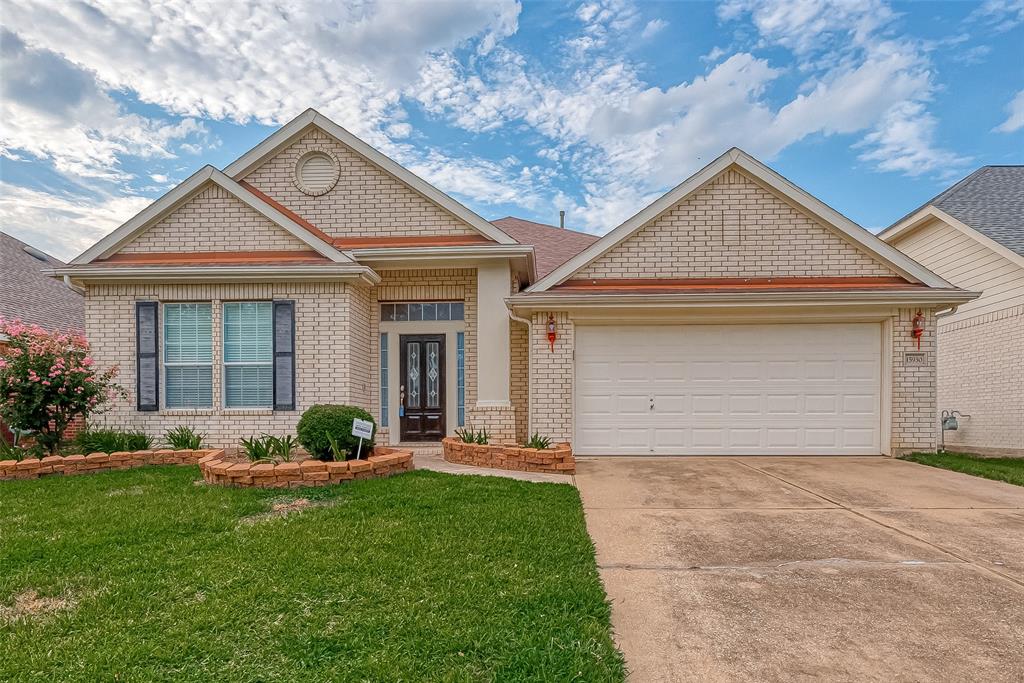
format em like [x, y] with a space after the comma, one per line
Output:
[422, 390]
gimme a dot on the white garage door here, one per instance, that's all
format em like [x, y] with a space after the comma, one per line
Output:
[728, 389]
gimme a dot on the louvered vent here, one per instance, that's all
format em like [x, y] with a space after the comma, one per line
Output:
[316, 173]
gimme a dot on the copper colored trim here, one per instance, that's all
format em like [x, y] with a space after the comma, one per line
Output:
[735, 284]
[214, 257]
[287, 212]
[410, 241]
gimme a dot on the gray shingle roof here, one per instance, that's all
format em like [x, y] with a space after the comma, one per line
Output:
[30, 296]
[552, 246]
[990, 200]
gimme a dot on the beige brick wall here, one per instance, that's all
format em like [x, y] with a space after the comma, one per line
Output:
[214, 220]
[774, 239]
[325, 371]
[552, 376]
[366, 202]
[914, 389]
[440, 284]
[913, 398]
[981, 373]
[519, 345]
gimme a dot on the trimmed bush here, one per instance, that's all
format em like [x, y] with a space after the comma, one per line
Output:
[321, 422]
[110, 441]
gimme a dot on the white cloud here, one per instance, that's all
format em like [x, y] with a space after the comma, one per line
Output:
[653, 27]
[1014, 115]
[903, 141]
[62, 224]
[54, 110]
[1002, 15]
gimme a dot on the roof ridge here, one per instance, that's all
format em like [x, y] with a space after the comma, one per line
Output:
[547, 225]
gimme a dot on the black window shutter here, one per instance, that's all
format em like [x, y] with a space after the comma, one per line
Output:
[147, 346]
[284, 355]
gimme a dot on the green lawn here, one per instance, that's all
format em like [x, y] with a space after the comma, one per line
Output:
[424, 576]
[1010, 470]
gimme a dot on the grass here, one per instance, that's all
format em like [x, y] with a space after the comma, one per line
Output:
[144, 576]
[1010, 470]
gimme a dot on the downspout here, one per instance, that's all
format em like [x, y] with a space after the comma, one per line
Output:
[529, 368]
[73, 287]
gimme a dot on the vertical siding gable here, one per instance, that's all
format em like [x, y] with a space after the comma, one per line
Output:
[366, 201]
[733, 227]
[213, 220]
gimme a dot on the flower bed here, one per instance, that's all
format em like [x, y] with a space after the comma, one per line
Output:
[33, 468]
[556, 460]
[217, 468]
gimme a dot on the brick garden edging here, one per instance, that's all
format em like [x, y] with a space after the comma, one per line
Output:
[383, 463]
[33, 468]
[556, 460]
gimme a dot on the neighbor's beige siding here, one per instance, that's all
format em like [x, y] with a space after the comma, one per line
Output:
[214, 220]
[328, 369]
[365, 202]
[759, 236]
[981, 346]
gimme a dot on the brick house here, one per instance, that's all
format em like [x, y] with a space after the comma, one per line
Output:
[972, 234]
[736, 314]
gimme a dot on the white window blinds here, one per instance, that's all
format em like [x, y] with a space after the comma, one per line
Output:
[248, 355]
[188, 355]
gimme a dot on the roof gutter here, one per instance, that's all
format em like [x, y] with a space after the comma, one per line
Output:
[254, 273]
[547, 301]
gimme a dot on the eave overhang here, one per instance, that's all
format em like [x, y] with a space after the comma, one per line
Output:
[520, 255]
[552, 301]
[226, 273]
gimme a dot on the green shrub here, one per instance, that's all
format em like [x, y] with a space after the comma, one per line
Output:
[19, 453]
[281, 447]
[538, 441]
[470, 435]
[320, 422]
[184, 438]
[110, 441]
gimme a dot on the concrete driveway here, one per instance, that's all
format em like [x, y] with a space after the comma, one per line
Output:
[790, 569]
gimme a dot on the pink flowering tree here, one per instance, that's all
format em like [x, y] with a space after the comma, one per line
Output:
[47, 379]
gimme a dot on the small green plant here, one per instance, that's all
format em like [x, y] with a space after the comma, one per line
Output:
[338, 452]
[111, 441]
[470, 435]
[19, 453]
[257, 447]
[184, 438]
[281, 447]
[538, 441]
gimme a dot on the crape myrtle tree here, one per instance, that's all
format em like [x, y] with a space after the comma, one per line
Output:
[47, 379]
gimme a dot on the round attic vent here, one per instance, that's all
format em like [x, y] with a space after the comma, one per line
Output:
[316, 172]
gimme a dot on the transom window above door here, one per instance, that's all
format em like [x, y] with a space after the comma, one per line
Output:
[422, 310]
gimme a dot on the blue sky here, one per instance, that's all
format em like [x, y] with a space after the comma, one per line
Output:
[514, 108]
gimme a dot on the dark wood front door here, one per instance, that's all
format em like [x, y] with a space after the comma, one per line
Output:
[421, 393]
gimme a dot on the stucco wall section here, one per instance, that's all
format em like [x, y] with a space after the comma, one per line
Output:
[519, 344]
[914, 388]
[552, 376]
[214, 220]
[774, 239]
[365, 202]
[322, 344]
[981, 374]
[440, 284]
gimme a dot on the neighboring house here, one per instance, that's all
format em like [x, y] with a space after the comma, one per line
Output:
[28, 295]
[973, 236]
[736, 314]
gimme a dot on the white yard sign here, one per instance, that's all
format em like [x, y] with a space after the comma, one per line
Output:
[364, 430]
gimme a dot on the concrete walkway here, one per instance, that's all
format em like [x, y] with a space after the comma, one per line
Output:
[431, 459]
[788, 569]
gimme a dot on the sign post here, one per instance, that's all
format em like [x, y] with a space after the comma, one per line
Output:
[364, 430]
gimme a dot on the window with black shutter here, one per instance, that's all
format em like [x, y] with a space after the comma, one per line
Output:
[147, 345]
[284, 355]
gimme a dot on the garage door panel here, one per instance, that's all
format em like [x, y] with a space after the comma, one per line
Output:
[729, 389]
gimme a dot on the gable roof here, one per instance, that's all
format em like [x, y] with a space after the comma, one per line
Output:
[780, 186]
[990, 201]
[297, 126]
[552, 245]
[32, 297]
[185, 191]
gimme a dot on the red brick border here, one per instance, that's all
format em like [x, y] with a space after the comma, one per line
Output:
[383, 463]
[556, 460]
[33, 468]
